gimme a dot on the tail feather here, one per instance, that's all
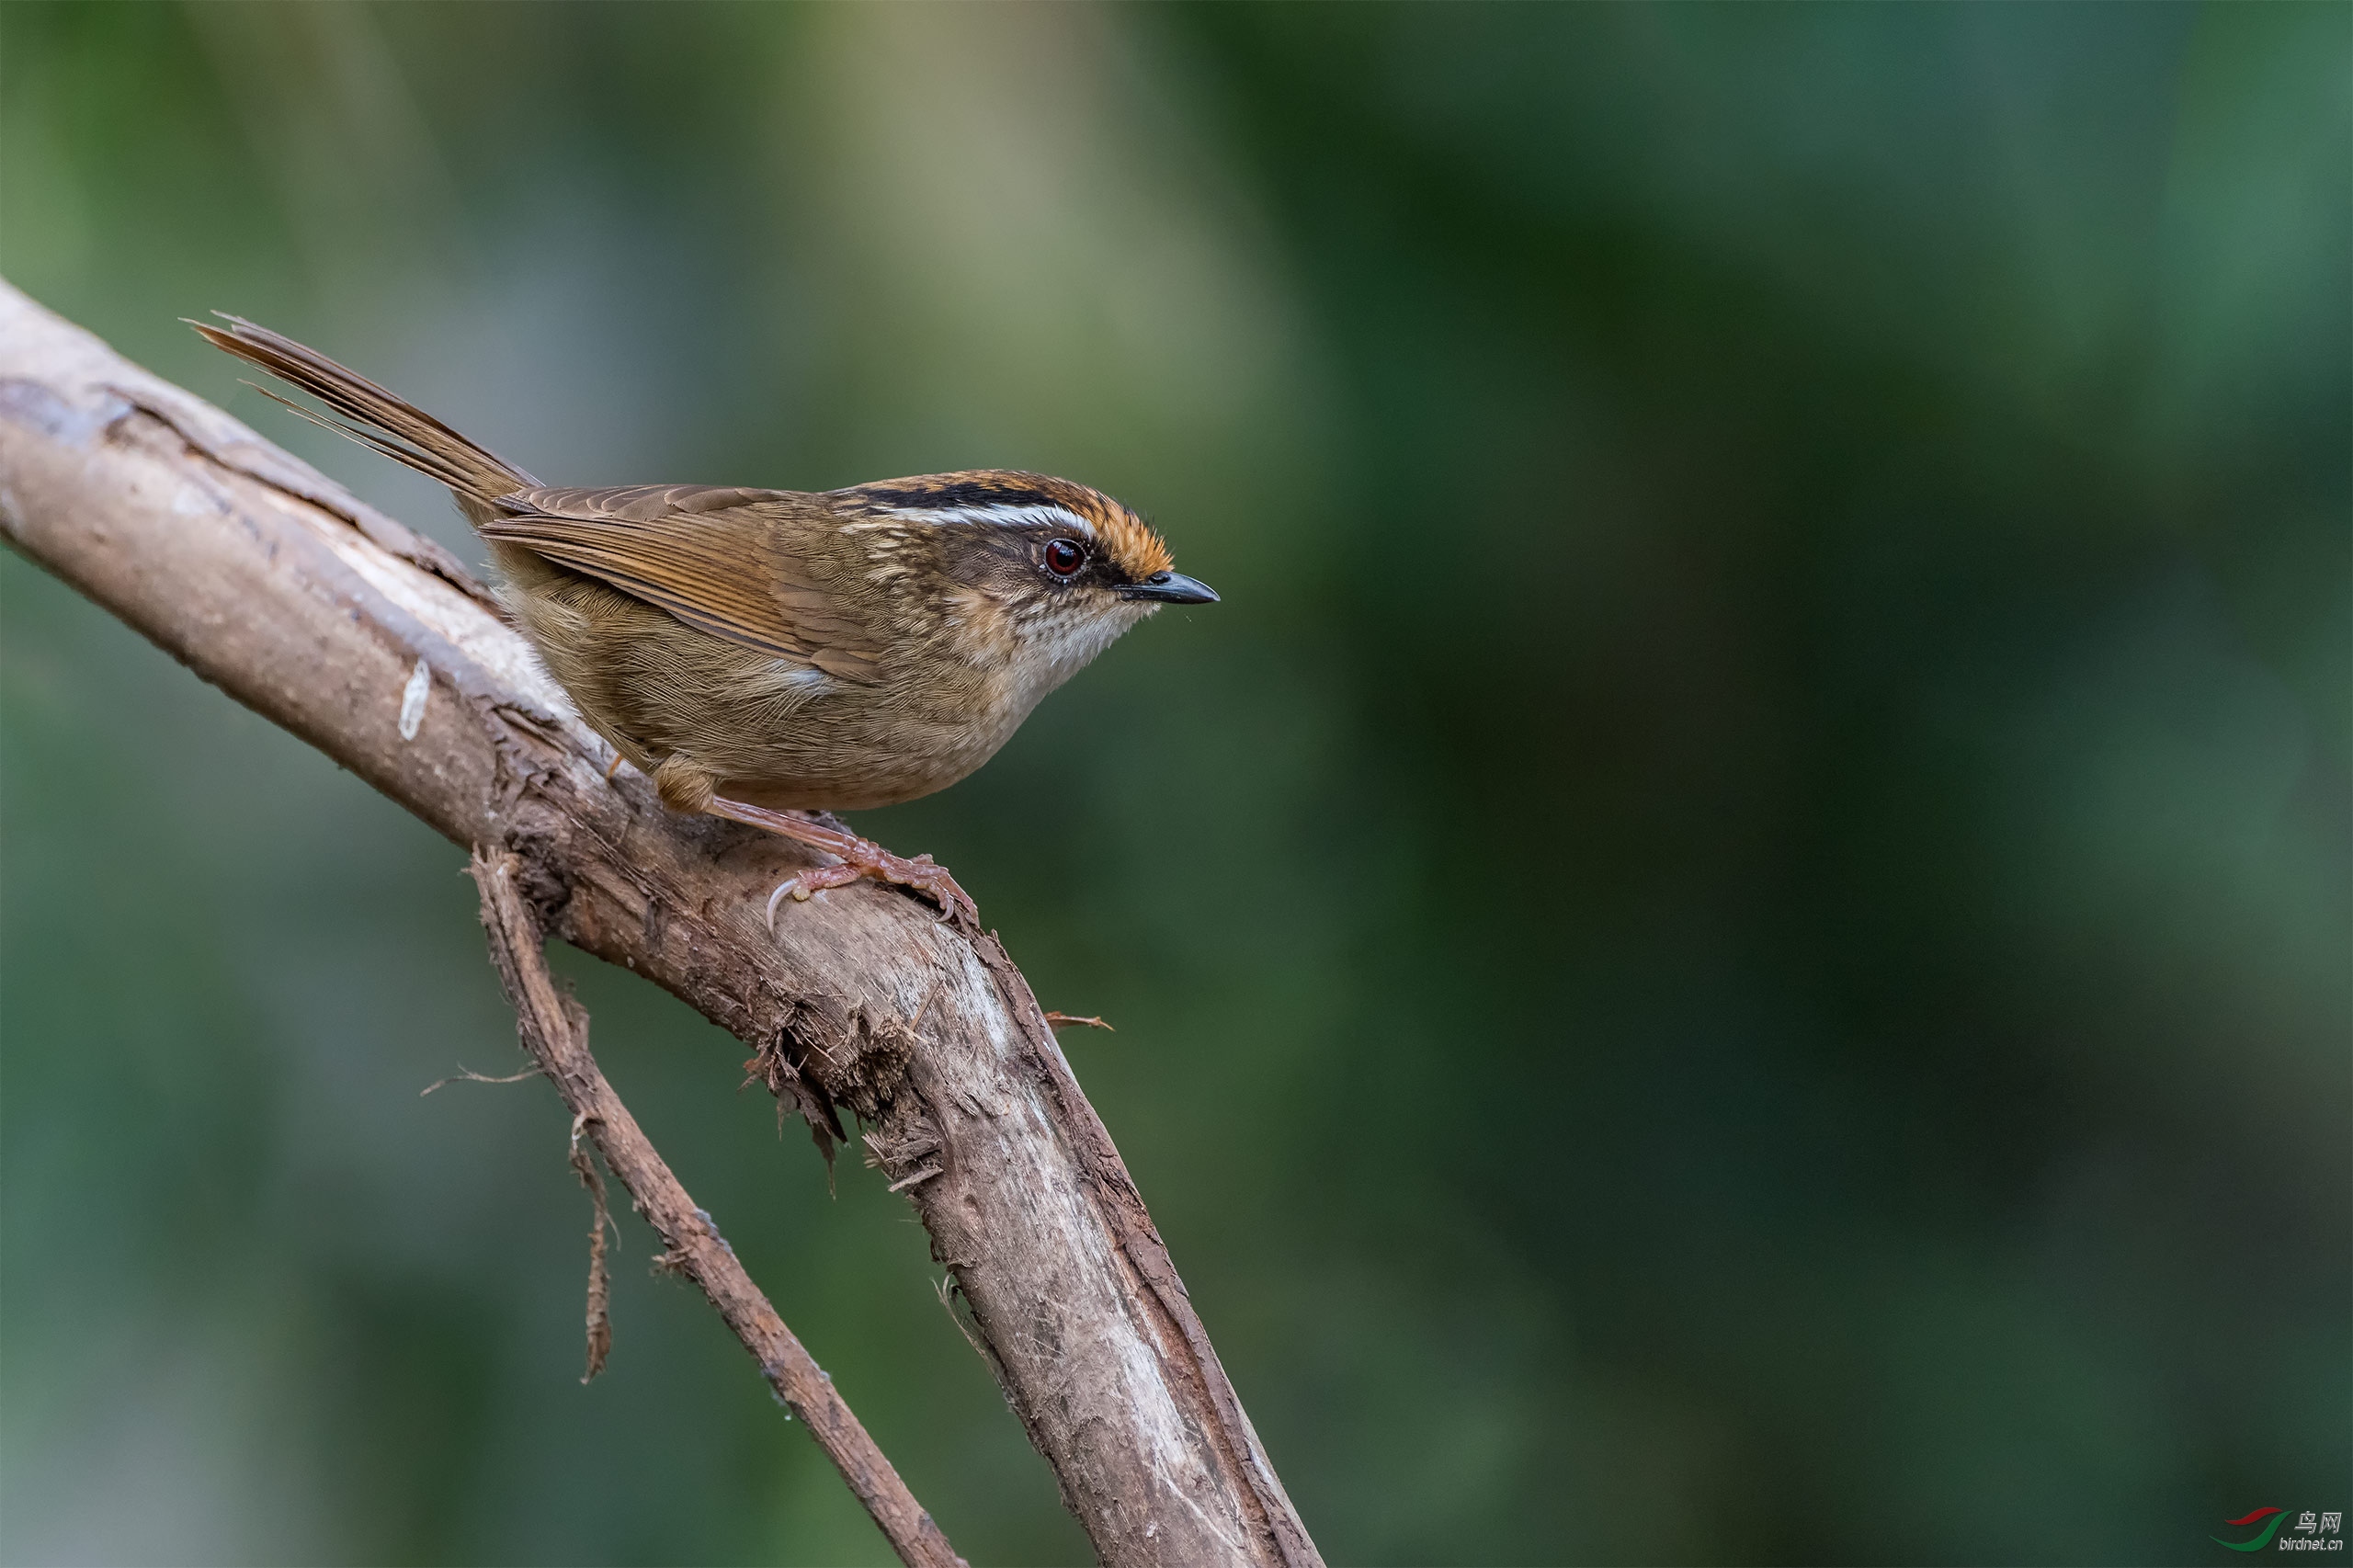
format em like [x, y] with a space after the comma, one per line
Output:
[378, 419]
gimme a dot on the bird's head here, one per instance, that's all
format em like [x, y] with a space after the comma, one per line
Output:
[1015, 569]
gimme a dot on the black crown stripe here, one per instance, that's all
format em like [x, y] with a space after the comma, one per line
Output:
[964, 493]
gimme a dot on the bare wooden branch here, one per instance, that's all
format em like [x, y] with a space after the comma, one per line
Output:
[377, 647]
[555, 1030]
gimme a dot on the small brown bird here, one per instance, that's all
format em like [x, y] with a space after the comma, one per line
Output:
[767, 653]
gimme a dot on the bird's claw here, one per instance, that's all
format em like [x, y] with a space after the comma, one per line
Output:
[922, 874]
[854, 858]
[790, 887]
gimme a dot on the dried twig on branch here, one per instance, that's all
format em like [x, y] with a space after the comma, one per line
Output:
[374, 645]
[555, 1030]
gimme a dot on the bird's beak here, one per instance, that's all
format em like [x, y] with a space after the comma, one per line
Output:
[1170, 588]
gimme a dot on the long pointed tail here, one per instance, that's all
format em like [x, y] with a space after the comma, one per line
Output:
[378, 420]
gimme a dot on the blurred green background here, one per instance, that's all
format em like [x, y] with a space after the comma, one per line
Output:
[1733, 947]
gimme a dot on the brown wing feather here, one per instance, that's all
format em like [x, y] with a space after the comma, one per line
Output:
[711, 556]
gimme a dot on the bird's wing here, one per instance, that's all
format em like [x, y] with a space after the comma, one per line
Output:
[719, 559]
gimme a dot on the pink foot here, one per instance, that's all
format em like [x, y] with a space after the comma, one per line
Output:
[860, 858]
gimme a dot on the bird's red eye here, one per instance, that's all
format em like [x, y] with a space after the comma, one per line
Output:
[1064, 557]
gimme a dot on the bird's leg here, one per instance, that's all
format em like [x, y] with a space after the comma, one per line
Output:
[859, 856]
